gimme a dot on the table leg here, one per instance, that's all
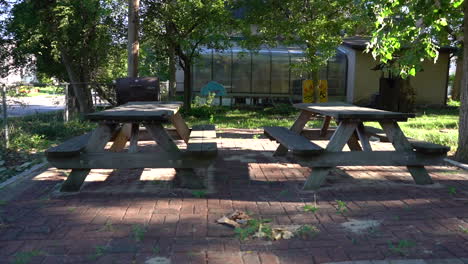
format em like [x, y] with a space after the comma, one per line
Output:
[134, 138]
[297, 127]
[363, 138]
[353, 143]
[186, 178]
[98, 141]
[339, 139]
[401, 143]
[181, 127]
[325, 125]
[122, 137]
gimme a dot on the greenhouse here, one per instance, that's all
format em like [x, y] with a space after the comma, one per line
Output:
[268, 73]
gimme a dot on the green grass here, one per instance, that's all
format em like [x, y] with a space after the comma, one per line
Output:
[245, 116]
[29, 91]
[436, 125]
[31, 135]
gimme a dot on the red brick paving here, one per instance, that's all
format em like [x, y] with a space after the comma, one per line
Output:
[127, 217]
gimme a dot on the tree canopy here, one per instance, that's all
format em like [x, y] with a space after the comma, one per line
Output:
[70, 40]
[186, 26]
[408, 32]
[317, 26]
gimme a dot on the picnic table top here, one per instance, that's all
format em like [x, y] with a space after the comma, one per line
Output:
[341, 111]
[138, 112]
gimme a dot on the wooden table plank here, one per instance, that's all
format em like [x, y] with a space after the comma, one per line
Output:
[124, 160]
[138, 112]
[298, 144]
[297, 127]
[342, 111]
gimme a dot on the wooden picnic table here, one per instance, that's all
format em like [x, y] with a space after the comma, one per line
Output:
[351, 131]
[122, 124]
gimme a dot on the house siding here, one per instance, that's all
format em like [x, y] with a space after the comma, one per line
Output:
[430, 84]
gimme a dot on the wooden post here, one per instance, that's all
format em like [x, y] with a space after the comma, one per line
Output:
[297, 127]
[5, 116]
[133, 45]
[66, 112]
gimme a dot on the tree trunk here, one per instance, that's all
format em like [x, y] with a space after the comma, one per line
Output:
[187, 85]
[78, 86]
[457, 82]
[462, 151]
[133, 45]
[172, 72]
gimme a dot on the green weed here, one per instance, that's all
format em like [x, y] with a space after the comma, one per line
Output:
[307, 231]
[199, 194]
[138, 232]
[212, 119]
[463, 229]
[401, 247]
[452, 190]
[310, 208]
[253, 226]
[256, 136]
[99, 251]
[3, 202]
[26, 256]
[155, 250]
[108, 227]
[341, 207]
[283, 193]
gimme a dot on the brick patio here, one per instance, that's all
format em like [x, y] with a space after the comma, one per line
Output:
[134, 216]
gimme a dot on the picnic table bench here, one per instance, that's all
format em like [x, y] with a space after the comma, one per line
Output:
[122, 124]
[408, 152]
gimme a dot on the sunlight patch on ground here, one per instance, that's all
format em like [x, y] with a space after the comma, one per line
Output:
[358, 226]
[50, 174]
[158, 260]
[157, 174]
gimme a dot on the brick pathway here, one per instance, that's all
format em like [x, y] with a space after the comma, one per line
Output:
[127, 217]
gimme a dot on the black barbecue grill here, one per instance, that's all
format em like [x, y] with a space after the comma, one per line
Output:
[137, 89]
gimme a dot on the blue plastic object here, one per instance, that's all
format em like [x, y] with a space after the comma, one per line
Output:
[213, 87]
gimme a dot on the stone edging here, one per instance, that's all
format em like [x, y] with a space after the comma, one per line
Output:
[23, 174]
[457, 164]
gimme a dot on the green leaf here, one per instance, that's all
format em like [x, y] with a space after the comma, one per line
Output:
[457, 3]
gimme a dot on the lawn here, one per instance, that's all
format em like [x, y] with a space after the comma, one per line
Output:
[31, 135]
[31, 91]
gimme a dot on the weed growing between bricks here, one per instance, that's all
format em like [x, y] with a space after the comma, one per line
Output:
[26, 256]
[402, 247]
